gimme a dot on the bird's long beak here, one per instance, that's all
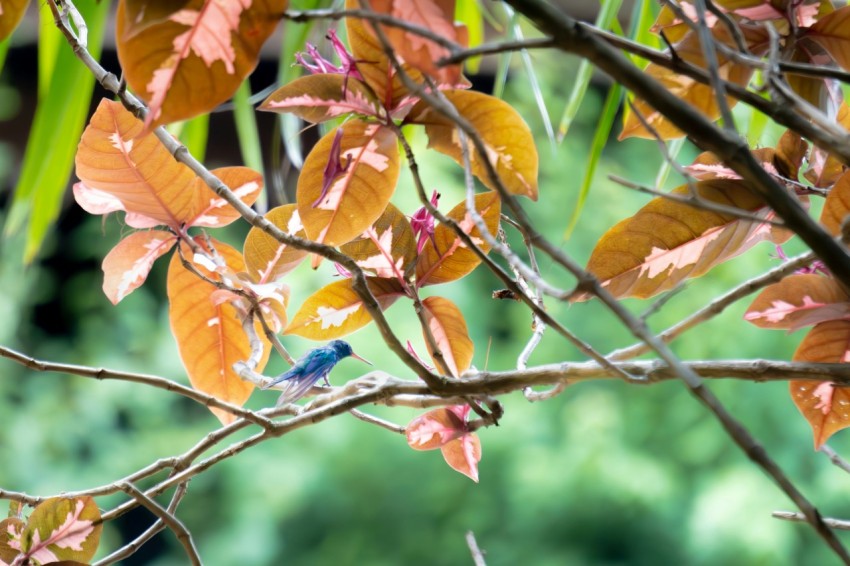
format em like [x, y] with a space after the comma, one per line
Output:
[364, 360]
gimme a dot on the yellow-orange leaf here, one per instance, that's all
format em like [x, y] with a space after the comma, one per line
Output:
[336, 309]
[211, 210]
[209, 336]
[266, 258]
[797, 301]
[507, 139]
[826, 407]
[668, 241]
[448, 327]
[337, 208]
[837, 205]
[316, 98]
[450, 258]
[186, 58]
[127, 265]
[387, 247]
[11, 12]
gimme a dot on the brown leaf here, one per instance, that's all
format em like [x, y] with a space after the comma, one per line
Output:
[209, 334]
[127, 265]
[387, 247]
[798, 301]
[266, 258]
[336, 309]
[11, 13]
[448, 327]
[824, 406]
[316, 98]
[832, 32]
[12, 528]
[667, 241]
[337, 209]
[790, 152]
[824, 168]
[188, 58]
[450, 259]
[507, 138]
[836, 207]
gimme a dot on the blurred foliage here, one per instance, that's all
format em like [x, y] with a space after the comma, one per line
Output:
[606, 473]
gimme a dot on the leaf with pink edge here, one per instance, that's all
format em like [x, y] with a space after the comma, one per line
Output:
[799, 301]
[63, 529]
[127, 265]
[317, 98]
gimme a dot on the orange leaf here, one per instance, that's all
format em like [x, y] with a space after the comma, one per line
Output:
[448, 328]
[826, 407]
[266, 258]
[112, 157]
[209, 334]
[423, 54]
[336, 309]
[316, 98]
[127, 265]
[387, 247]
[336, 209]
[450, 259]
[189, 57]
[824, 168]
[798, 301]
[832, 32]
[667, 241]
[11, 12]
[211, 210]
[463, 455]
[507, 139]
[837, 205]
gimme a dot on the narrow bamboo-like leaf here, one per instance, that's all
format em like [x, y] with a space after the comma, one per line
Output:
[836, 208]
[446, 258]
[505, 58]
[246, 128]
[799, 301]
[11, 12]
[189, 58]
[316, 98]
[667, 241]
[127, 265]
[824, 406]
[507, 139]
[347, 182]
[336, 309]
[59, 120]
[468, 12]
[195, 135]
[266, 258]
[600, 138]
[604, 19]
[448, 327]
[387, 247]
[63, 529]
[209, 333]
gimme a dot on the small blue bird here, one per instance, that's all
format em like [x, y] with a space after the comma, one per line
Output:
[310, 368]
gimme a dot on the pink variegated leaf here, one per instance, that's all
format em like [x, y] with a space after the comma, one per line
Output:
[210, 210]
[387, 247]
[127, 265]
[95, 201]
[436, 428]
[316, 98]
[463, 455]
[799, 301]
[668, 241]
[266, 258]
[11, 530]
[448, 327]
[63, 529]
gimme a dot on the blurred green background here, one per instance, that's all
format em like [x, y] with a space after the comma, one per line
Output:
[606, 473]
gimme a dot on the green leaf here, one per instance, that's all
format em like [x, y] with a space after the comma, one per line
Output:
[63, 529]
[246, 127]
[195, 134]
[58, 123]
[468, 12]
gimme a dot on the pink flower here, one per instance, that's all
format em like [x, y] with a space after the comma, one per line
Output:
[334, 168]
[422, 223]
[348, 65]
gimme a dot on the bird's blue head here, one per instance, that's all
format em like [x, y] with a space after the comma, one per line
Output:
[343, 350]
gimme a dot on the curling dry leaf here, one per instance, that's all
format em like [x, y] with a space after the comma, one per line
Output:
[824, 406]
[62, 529]
[387, 247]
[336, 309]
[507, 139]
[316, 98]
[667, 241]
[266, 258]
[448, 327]
[209, 333]
[799, 301]
[447, 257]
[11, 12]
[186, 58]
[347, 181]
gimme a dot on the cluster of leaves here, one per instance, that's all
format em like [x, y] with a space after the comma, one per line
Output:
[696, 227]
[174, 60]
[59, 530]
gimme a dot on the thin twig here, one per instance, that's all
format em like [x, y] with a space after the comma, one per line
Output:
[477, 555]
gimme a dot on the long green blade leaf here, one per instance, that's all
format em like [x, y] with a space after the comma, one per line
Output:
[248, 134]
[468, 12]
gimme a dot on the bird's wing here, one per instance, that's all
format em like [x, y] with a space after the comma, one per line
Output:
[294, 390]
[289, 374]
